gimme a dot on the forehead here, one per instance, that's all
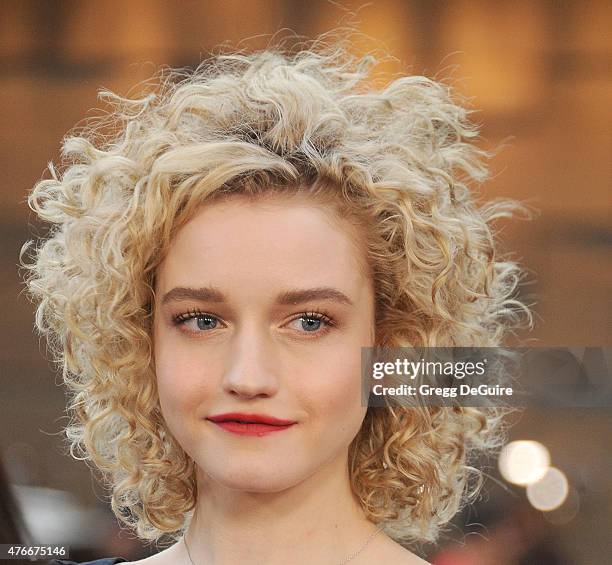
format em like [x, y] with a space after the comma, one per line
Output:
[293, 240]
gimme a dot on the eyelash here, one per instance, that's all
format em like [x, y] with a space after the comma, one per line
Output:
[181, 319]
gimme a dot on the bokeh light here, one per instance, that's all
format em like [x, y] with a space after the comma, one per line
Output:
[567, 511]
[523, 462]
[550, 491]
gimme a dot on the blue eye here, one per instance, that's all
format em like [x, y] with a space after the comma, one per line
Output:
[203, 321]
[314, 323]
[311, 324]
[206, 322]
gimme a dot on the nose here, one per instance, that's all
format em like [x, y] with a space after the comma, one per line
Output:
[251, 371]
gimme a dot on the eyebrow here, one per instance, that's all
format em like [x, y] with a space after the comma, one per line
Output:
[289, 297]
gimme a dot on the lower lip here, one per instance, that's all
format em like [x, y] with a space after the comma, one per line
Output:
[250, 429]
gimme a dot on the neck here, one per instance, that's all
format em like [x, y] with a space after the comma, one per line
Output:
[315, 521]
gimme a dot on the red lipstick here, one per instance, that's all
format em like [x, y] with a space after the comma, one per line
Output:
[250, 424]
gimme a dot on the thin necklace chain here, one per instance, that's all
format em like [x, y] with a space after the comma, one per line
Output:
[353, 555]
[345, 560]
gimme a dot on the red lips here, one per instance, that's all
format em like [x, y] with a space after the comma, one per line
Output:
[250, 419]
[250, 424]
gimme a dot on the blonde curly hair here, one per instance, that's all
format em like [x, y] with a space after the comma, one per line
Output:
[398, 161]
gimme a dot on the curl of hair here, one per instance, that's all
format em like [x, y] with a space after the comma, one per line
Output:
[397, 161]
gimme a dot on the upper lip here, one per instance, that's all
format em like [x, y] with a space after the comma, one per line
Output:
[250, 418]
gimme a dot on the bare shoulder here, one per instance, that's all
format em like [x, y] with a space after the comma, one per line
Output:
[389, 551]
[386, 550]
[168, 556]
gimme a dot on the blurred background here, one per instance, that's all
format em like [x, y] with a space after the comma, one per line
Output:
[539, 74]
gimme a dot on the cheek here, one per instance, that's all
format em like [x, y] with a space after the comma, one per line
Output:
[335, 394]
[182, 378]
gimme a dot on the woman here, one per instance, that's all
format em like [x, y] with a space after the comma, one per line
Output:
[218, 262]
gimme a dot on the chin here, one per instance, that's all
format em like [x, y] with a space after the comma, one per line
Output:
[254, 479]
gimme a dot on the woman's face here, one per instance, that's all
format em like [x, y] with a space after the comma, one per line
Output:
[250, 282]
